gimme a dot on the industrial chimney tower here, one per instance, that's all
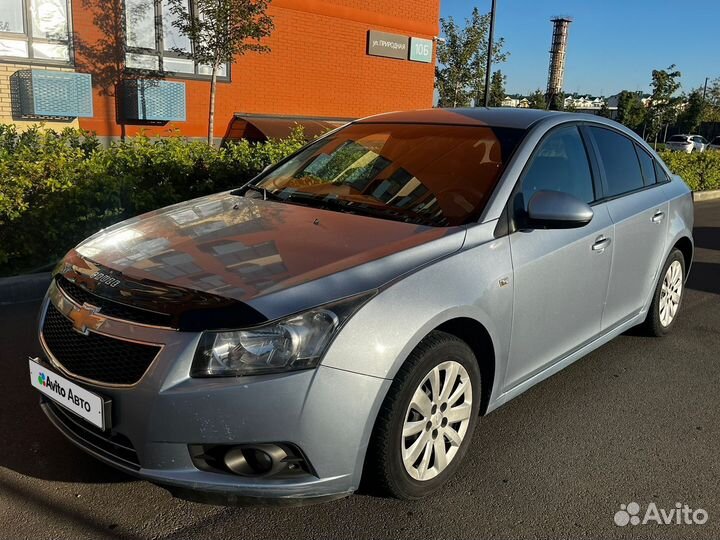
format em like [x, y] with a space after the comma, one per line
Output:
[556, 75]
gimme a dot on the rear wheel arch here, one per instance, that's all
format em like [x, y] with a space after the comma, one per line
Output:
[685, 246]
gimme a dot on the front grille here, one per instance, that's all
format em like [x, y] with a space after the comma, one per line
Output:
[110, 308]
[112, 446]
[95, 357]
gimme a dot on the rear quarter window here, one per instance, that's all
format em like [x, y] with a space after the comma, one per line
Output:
[647, 165]
[660, 173]
[619, 160]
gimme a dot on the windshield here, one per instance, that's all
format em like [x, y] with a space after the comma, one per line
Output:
[679, 138]
[439, 175]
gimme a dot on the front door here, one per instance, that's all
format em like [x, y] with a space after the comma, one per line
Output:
[561, 276]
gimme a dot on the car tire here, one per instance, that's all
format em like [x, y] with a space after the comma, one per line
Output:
[402, 427]
[668, 295]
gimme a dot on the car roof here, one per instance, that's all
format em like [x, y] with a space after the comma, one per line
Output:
[480, 116]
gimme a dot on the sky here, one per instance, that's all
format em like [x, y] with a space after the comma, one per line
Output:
[614, 44]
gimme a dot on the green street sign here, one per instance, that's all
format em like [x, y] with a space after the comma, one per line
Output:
[421, 50]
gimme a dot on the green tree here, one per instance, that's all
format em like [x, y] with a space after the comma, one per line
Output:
[537, 100]
[497, 89]
[462, 58]
[712, 102]
[605, 111]
[221, 30]
[631, 111]
[713, 93]
[693, 113]
[664, 102]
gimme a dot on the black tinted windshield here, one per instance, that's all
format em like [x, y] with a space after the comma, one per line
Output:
[441, 175]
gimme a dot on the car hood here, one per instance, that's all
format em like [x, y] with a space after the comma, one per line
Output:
[275, 257]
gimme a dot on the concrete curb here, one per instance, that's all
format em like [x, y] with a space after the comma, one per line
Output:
[27, 288]
[706, 195]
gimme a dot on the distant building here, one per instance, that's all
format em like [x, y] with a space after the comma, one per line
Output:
[589, 104]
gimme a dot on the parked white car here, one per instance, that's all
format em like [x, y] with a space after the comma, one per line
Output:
[687, 143]
[715, 144]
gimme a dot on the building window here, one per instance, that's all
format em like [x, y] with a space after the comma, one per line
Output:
[153, 43]
[35, 29]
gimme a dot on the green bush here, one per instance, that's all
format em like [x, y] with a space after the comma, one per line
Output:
[701, 171]
[57, 188]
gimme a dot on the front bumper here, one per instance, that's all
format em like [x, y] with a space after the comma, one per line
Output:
[327, 413]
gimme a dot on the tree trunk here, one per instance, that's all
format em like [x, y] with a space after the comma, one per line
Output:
[211, 114]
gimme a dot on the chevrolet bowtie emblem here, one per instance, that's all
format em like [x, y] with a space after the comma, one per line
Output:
[85, 318]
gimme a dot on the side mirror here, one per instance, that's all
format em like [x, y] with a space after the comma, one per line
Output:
[557, 210]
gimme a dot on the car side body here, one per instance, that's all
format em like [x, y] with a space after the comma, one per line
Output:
[527, 301]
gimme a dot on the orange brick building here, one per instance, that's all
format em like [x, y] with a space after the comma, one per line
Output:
[329, 60]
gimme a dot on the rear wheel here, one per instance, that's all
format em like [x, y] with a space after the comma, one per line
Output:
[426, 422]
[668, 296]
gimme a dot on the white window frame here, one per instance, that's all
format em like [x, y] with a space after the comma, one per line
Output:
[159, 54]
[27, 37]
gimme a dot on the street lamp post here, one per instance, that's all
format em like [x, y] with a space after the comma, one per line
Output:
[491, 42]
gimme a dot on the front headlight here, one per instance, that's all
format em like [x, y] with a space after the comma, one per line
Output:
[297, 342]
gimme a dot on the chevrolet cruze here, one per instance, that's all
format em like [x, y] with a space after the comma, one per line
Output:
[352, 311]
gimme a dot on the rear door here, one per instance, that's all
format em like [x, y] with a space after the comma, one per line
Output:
[639, 209]
[560, 275]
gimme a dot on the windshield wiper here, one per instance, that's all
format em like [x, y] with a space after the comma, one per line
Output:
[365, 210]
[341, 205]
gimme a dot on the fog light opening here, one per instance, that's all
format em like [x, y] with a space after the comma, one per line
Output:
[252, 460]
[261, 460]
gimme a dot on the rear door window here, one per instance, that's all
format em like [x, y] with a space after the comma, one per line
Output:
[619, 160]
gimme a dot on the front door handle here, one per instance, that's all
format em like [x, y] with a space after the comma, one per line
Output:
[601, 244]
[658, 217]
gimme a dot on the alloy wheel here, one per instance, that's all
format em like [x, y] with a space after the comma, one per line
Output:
[670, 293]
[436, 421]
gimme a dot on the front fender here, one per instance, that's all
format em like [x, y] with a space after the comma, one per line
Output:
[380, 337]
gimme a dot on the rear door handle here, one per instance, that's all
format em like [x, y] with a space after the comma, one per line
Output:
[658, 217]
[601, 244]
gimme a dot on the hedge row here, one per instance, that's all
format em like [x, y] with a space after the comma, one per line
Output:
[701, 171]
[57, 188]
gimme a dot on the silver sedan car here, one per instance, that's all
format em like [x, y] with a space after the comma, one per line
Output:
[355, 309]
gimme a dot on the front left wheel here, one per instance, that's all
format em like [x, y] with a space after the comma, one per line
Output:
[427, 420]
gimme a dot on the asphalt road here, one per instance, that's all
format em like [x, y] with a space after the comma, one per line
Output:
[635, 421]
